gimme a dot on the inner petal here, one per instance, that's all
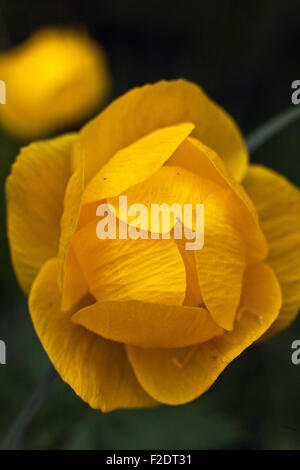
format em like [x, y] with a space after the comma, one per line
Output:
[136, 162]
[170, 186]
[143, 269]
[221, 263]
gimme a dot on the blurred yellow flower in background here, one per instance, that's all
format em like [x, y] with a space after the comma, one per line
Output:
[133, 323]
[54, 79]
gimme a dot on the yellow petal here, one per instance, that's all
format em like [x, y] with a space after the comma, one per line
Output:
[75, 286]
[116, 269]
[165, 103]
[193, 296]
[71, 210]
[170, 186]
[148, 325]
[194, 156]
[54, 78]
[278, 204]
[88, 213]
[220, 264]
[35, 194]
[180, 375]
[96, 369]
[135, 163]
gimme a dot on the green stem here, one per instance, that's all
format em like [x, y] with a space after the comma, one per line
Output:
[272, 127]
[16, 432]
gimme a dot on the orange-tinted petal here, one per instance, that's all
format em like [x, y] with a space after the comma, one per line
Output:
[195, 157]
[75, 286]
[116, 269]
[169, 186]
[35, 193]
[177, 376]
[165, 103]
[71, 211]
[278, 204]
[148, 325]
[96, 369]
[136, 163]
[220, 264]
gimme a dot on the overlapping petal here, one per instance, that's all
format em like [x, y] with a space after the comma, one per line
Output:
[197, 158]
[116, 269]
[220, 264]
[177, 376]
[147, 324]
[151, 107]
[71, 209]
[96, 369]
[35, 193]
[278, 204]
[135, 163]
[169, 186]
[75, 286]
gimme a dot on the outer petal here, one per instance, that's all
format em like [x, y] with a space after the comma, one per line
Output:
[278, 205]
[143, 110]
[97, 369]
[148, 325]
[135, 163]
[35, 194]
[150, 270]
[180, 375]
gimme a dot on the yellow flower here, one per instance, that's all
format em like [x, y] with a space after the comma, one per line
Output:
[53, 79]
[133, 323]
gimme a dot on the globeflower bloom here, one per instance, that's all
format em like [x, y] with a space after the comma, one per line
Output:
[139, 322]
[53, 79]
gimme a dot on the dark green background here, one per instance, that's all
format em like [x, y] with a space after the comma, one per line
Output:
[245, 55]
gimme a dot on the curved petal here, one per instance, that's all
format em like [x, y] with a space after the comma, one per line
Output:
[71, 211]
[116, 269]
[193, 296]
[220, 264]
[127, 167]
[136, 163]
[165, 103]
[75, 286]
[170, 185]
[96, 369]
[194, 156]
[148, 325]
[177, 376]
[278, 204]
[35, 193]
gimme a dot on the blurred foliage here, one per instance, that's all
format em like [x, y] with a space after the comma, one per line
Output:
[245, 56]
